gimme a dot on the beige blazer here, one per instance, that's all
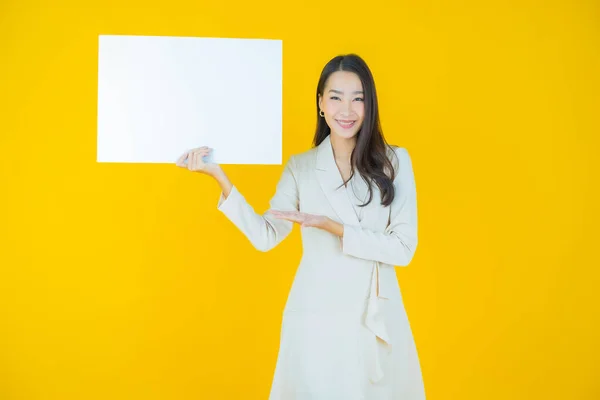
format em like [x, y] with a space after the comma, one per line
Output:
[349, 275]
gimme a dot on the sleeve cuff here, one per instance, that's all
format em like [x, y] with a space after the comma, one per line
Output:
[226, 204]
[350, 240]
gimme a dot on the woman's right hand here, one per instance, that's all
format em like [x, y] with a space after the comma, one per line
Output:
[195, 161]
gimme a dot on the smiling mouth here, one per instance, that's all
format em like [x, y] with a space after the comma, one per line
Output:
[346, 124]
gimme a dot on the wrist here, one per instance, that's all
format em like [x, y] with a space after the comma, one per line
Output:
[333, 227]
[223, 181]
[215, 172]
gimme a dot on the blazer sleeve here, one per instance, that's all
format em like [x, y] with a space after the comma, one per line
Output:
[264, 231]
[398, 243]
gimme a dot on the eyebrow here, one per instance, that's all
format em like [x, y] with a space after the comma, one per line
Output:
[340, 92]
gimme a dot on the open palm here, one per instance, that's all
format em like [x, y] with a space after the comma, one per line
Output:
[303, 219]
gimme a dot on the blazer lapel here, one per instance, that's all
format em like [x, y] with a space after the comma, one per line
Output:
[360, 189]
[331, 182]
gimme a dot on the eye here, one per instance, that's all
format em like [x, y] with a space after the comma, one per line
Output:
[334, 98]
[359, 99]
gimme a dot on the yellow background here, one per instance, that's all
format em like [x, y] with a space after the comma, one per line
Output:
[125, 282]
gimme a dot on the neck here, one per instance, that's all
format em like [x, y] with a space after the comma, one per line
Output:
[342, 148]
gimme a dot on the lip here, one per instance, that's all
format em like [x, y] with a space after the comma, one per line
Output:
[346, 123]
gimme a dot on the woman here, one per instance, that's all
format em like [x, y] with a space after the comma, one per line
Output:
[345, 333]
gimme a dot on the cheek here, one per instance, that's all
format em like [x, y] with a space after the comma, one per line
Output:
[331, 106]
[359, 109]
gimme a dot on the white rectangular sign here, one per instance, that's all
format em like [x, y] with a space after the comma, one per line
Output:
[160, 96]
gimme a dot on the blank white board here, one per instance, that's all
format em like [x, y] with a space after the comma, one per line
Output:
[160, 96]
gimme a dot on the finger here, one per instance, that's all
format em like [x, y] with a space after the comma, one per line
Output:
[294, 219]
[297, 216]
[181, 159]
[284, 212]
[200, 148]
[287, 216]
[192, 161]
[199, 157]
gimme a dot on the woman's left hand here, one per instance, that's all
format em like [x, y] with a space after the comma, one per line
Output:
[302, 219]
[310, 220]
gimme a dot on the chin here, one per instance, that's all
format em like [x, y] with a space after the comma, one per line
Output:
[345, 134]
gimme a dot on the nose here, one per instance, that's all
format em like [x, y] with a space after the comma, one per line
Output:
[346, 108]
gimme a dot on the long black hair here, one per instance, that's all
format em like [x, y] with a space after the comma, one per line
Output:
[370, 155]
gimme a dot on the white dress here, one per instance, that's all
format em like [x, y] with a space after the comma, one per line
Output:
[345, 333]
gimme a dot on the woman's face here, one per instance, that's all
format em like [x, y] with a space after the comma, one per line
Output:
[342, 103]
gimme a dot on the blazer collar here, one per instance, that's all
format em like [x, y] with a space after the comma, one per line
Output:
[331, 182]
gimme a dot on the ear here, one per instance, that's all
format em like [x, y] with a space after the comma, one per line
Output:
[320, 102]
